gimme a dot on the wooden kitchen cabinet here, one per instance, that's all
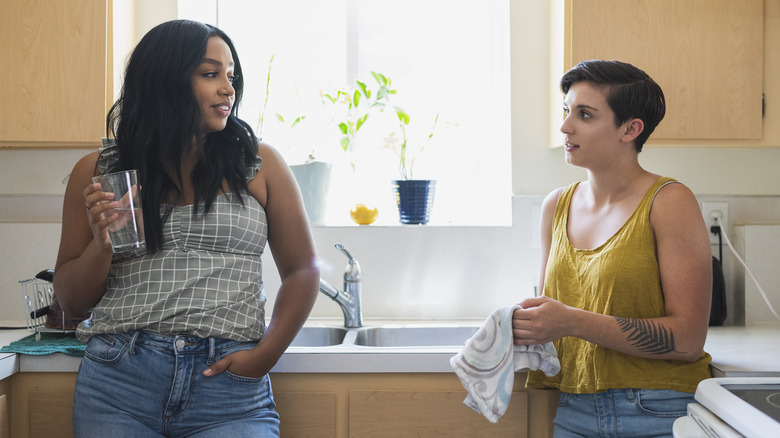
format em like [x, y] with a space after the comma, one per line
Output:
[401, 405]
[325, 405]
[53, 85]
[412, 413]
[5, 422]
[42, 404]
[707, 55]
[303, 413]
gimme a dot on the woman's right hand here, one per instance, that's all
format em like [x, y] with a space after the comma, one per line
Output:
[540, 320]
[100, 213]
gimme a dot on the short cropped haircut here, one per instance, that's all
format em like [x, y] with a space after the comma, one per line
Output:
[631, 93]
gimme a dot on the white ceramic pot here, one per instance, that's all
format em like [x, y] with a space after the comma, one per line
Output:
[314, 181]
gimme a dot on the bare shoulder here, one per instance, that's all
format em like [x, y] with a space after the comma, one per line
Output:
[83, 171]
[552, 197]
[272, 162]
[675, 206]
[274, 175]
[551, 202]
[269, 153]
[674, 195]
[87, 163]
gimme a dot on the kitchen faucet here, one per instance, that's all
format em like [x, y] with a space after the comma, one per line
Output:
[349, 298]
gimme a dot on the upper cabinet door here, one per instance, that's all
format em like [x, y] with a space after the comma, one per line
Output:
[53, 72]
[707, 55]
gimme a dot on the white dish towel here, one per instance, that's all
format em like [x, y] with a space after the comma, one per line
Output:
[488, 361]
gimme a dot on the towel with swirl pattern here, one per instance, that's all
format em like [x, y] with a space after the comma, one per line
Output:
[487, 363]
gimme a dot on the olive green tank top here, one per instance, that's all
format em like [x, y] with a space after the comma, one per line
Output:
[619, 278]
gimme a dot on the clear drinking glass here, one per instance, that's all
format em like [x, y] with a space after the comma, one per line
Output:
[127, 232]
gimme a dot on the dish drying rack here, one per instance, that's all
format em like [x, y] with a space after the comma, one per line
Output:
[37, 295]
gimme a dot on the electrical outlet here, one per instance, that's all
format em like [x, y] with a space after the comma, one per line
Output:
[716, 213]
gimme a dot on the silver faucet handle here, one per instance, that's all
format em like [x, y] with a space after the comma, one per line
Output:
[352, 271]
[343, 249]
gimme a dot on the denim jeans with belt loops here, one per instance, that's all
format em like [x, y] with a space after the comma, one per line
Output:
[624, 413]
[142, 384]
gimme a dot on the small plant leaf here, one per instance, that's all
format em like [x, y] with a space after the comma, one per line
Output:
[298, 120]
[362, 88]
[360, 122]
[381, 93]
[403, 117]
[380, 78]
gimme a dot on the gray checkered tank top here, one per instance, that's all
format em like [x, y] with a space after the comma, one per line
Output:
[206, 280]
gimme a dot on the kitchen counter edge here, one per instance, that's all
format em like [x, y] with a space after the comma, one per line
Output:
[736, 352]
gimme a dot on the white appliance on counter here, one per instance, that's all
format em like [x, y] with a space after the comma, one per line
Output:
[733, 407]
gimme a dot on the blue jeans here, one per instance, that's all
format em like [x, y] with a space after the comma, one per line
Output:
[620, 413]
[141, 384]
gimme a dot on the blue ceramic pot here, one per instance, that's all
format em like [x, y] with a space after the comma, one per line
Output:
[414, 198]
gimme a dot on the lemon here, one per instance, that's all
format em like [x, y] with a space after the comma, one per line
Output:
[363, 215]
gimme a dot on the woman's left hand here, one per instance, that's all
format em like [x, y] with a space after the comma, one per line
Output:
[245, 363]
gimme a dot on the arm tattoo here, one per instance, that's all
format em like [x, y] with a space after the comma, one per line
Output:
[647, 336]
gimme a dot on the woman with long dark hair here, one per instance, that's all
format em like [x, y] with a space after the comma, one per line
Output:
[178, 344]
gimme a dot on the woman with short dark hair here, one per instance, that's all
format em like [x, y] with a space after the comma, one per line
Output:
[626, 268]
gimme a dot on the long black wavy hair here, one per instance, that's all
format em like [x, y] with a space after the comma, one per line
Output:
[157, 117]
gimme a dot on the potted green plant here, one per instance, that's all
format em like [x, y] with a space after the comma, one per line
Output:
[313, 176]
[355, 104]
[358, 102]
[408, 152]
[414, 197]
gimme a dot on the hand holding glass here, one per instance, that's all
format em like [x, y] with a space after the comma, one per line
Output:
[127, 231]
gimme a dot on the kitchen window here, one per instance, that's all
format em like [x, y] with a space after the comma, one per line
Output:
[445, 57]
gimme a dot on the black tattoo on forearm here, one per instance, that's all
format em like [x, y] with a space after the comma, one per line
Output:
[647, 336]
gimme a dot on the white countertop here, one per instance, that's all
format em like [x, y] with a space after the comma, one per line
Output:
[9, 362]
[750, 351]
[736, 352]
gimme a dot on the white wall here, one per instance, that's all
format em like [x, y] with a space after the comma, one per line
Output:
[759, 244]
[421, 272]
[31, 187]
[449, 272]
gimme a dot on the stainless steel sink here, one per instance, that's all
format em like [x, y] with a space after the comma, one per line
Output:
[317, 336]
[414, 336]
